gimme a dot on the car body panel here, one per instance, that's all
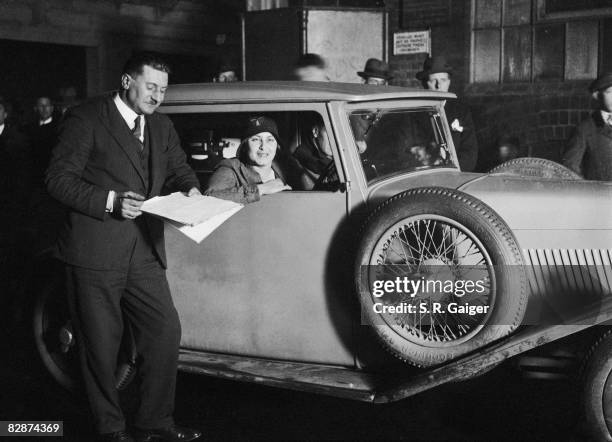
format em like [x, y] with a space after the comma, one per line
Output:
[260, 285]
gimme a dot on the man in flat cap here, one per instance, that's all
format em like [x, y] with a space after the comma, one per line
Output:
[375, 72]
[589, 151]
[436, 75]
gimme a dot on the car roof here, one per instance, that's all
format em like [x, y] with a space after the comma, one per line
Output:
[291, 91]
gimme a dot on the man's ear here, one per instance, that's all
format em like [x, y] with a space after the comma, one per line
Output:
[595, 95]
[125, 82]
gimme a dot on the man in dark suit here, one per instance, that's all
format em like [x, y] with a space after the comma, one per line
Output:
[14, 195]
[113, 153]
[15, 171]
[436, 75]
[43, 137]
[589, 152]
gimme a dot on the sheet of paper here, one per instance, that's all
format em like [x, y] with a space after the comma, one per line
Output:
[189, 211]
[200, 231]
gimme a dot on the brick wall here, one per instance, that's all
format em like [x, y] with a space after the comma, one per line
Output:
[542, 115]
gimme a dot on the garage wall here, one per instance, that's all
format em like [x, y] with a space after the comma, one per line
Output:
[112, 29]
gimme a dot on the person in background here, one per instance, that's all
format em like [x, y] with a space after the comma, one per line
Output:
[311, 67]
[313, 155]
[589, 151]
[253, 172]
[437, 75]
[226, 71]
[15, 249]
[114, 152]
[375, 72]
[508, 147]
[43, 137]
[68, 97]
[15, 172]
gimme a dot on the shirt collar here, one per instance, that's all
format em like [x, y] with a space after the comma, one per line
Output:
[128, 114]
[43, 122]
[606, 117]
[1, 128]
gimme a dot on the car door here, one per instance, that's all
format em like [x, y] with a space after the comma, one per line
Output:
[269, 282]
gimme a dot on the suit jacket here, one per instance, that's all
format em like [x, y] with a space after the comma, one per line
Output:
[96, 152]
[589, 151]
[463, 133]
[15, 182]
[42, 140]
[14, 164]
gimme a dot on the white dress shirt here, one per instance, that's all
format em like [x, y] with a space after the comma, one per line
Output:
[43, 122]
[1, 128]
[130, 116]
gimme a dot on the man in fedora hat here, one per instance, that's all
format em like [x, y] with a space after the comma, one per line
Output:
[375, 72]
[589, 151]
[436, 75]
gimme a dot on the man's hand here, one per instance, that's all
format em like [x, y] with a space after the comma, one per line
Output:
[273, 186]
[127, 204]
[194, 191]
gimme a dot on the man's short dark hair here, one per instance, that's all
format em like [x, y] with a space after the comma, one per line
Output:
[310, 59]
[138, 61]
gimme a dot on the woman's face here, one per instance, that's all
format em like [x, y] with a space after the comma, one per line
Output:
[262, 148]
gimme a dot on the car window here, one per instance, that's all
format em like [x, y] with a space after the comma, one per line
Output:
[305, 153]
[399, 140]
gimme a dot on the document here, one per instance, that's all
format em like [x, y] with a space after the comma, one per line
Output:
[196, 216]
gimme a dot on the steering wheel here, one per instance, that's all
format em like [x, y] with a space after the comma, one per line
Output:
[323, 182]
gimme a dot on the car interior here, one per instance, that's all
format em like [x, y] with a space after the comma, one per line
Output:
[208, 138]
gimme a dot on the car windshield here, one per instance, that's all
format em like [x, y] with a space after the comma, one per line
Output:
[399, 140]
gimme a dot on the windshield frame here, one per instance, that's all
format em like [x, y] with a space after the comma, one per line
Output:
[441, 129]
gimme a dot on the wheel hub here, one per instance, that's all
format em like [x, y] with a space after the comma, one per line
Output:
[66, 337]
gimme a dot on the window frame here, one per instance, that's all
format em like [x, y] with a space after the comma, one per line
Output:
[538, 19]
[255, 108]
[411, 105]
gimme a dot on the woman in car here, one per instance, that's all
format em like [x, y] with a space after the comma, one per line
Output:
[253, 172]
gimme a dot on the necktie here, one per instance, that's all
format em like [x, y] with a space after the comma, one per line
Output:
[137, 131]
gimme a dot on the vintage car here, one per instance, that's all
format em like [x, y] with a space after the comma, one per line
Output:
[284, 293]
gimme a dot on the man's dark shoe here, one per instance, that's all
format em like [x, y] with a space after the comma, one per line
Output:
[117, 436]
[170, 434]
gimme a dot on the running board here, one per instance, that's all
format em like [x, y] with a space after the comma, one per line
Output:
[315, 378]
[378, 388]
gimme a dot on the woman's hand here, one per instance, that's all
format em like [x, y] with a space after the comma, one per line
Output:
[273, 186]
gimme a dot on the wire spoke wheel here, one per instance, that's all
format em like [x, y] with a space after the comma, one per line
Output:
[452, 272]
[437, 251]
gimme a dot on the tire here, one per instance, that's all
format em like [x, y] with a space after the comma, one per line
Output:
[537, 168]
[443, 230]
[596, 388]
[55, 341]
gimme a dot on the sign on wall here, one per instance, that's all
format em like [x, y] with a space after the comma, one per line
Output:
[411, 42]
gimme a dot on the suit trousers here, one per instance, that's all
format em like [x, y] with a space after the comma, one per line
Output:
[99, 300]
